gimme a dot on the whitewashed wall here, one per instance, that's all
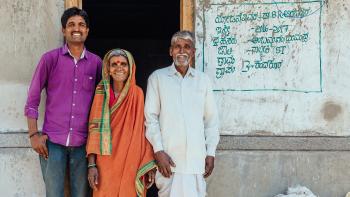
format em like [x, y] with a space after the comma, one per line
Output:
[278, 67]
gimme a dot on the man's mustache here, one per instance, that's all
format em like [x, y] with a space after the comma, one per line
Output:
[185, 55]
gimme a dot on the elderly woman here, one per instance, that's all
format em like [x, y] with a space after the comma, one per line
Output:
[120, 158]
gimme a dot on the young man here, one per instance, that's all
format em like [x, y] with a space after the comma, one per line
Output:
[69, 74]
[181, 122]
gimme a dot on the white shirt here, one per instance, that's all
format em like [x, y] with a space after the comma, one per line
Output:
[181, 117]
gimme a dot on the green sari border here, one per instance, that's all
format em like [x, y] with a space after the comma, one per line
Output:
[140, 187]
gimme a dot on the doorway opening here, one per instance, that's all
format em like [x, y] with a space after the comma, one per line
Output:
[143, 27]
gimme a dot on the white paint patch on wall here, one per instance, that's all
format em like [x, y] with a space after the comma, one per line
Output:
[318, 109]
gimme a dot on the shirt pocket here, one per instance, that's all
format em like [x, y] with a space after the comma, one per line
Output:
[88, 82]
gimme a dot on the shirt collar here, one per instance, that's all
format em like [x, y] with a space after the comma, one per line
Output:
[65, 51]
[173, 71]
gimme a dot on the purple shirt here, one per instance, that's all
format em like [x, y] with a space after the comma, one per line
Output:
[70, 89]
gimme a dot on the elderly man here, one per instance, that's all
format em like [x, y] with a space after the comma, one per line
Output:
[181, 122]
[69, 74]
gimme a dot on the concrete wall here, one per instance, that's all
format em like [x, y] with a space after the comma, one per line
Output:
[248, 166]
[268, 173]
[28, 29]
[20, 173]
[280, 127]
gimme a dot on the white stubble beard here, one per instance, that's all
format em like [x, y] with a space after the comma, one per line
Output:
[186, 62]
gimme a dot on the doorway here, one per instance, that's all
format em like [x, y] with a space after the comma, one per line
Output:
[143, 27]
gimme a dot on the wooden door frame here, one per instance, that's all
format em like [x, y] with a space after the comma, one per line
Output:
[73, 3]
[186, 12]
[187, 15]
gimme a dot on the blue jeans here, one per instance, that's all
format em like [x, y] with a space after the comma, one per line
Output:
[54, 170]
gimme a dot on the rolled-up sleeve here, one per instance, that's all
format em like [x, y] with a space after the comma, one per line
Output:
[211, 121]
[152, 111]
[34, 93]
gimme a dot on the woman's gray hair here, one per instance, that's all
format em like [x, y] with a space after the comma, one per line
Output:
[186, 35]
[117, 52]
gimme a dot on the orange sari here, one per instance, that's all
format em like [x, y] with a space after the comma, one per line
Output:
[117, 136]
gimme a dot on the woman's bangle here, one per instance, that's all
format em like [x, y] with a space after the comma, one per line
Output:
[35, 133]
[92, 165]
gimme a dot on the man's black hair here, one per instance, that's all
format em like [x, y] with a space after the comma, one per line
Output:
[74, 11]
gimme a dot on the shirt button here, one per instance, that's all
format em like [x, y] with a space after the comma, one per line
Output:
[74, 92]
[75, 79]
[72, 116]
[73, 104]
[71, 129]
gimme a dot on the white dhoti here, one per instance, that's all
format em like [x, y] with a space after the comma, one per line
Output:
[181, 185]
